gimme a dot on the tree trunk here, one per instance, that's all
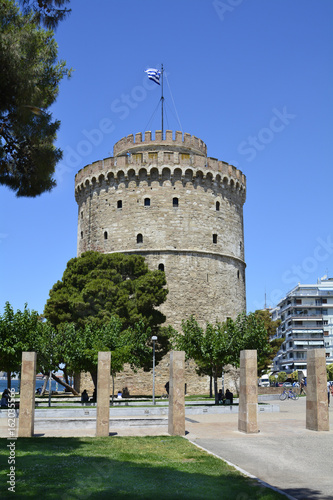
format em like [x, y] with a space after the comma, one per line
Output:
[57, 379]
[112, 389]
[210, 386]
[44, 385]
[65, 375]
[216, 394]
[9, 380]
[94, 378]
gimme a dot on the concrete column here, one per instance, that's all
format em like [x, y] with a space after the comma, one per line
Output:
[176, 422]
[27, 394]
[103, 394]
[316, 391]
[248, 392]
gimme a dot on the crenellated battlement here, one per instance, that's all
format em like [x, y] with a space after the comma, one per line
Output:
[182, 143]
[199, 170]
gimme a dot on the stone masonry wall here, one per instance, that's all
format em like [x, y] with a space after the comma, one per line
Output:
[179, 209]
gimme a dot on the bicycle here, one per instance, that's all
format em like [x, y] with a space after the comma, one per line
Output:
[289, 394]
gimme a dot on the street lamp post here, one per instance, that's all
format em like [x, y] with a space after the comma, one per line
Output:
[154, 338]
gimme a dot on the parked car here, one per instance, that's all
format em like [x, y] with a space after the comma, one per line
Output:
[287, 384]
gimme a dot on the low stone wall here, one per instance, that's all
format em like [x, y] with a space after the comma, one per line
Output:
[141, 382]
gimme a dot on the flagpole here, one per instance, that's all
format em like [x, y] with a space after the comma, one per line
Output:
[162, 101]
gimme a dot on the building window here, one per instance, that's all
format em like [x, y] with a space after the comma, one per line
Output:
[137, 158]
[81, 235]
[326, 334]
[161, 267]
[175, 202]
[105, 235]
[82, 215]
[119, 204]
[147, 202]
[217, 206]
[298, 301]
[152, 156]
[324, 301]
[139, 238]
[214, 238]
[238, 274]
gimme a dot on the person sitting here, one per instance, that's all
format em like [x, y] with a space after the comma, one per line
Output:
[119, 395]
[84, 397]
[4, 398]
[229, 397]
[220, 395]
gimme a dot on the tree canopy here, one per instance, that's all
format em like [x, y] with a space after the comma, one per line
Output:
[47, 12]
[29, 85]
[219, 344]
[17, 334]
[96, 287]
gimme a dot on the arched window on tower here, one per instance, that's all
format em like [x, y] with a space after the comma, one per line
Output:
[147, 202]
[139, 238]
[119, 204]
[217, 206]
[161, 267]
[105, 235]
[81, 235]
[215, 238]
[175, 202]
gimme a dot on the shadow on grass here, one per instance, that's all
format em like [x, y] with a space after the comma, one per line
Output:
[133, 468]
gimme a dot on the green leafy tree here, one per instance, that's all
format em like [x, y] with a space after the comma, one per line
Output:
[108, 302]
[17, 334]
[282, 376]
[329, 369]
[96, 287]
[132, 345]
[29, 84]
[220, 344]
[46, 12]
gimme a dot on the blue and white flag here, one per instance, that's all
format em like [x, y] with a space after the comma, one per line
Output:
[153, 74]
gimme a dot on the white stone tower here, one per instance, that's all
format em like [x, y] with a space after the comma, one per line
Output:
[163, 198]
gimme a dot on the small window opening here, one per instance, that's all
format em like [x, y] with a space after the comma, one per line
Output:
[105, 235]
[119, 204]
[81, 235]
[147, 202]
[214, 238]
[161, 267]
[238, 274]
[175, 202]
[82, 215]
[217, 206]
[139, 238]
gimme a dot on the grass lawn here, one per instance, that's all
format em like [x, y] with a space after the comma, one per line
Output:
[159, 468]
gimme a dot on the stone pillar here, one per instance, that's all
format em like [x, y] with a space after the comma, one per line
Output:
[248, 392]
[27, 394]
[176, 421]
[316, 391]
[103, 394]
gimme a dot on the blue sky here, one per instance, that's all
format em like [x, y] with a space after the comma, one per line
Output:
[252, 78]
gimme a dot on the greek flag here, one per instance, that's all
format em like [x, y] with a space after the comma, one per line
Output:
[153, 74]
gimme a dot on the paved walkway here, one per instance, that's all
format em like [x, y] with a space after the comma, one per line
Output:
[284, 454]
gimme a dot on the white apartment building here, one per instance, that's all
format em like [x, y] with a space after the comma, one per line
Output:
[306, 315]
